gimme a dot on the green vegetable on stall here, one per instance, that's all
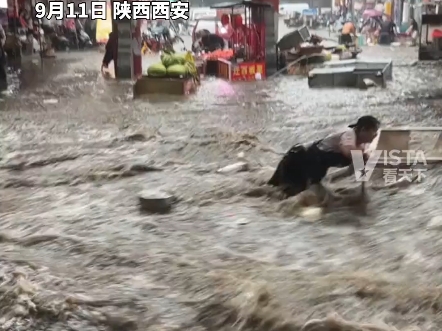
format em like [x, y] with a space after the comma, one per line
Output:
[167, 60]
[170, 60]
[177, 70]
[157, 70]
[179, 58]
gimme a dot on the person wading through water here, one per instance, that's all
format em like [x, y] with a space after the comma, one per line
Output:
[3, 77]
[387, 32]
[348, 32]
[413, 31]
[303, 166]
[110, 50]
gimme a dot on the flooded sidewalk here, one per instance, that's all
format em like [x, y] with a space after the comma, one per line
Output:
[79, 255]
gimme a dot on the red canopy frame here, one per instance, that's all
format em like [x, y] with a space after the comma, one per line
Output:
[250, 36]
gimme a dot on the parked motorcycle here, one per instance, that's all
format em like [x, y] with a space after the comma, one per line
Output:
[84, 39]
[54, 36]
[159, 39]
[59, 41]
[64, 38]
[78, 37]
[30, 39]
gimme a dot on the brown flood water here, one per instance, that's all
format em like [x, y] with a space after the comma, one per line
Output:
[78, 255]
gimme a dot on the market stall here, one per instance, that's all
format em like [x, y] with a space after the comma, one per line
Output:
[209, 61]
[251, 39]
[176, 74]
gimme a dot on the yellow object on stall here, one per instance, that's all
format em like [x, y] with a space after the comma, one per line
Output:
[145, 49]
[387, 8]
[104, 27]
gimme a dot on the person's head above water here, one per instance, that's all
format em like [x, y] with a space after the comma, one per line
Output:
[366, 128]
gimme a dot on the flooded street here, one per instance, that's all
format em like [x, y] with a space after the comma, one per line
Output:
[77, 254]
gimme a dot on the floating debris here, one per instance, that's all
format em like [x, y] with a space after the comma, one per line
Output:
[50, 101]
[236, 167]
[155, 201]
[435, 223]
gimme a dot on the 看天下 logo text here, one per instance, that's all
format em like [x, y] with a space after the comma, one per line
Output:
[408, 159]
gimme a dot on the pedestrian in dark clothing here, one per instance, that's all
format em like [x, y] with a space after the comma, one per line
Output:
[110, 50]
[388, 32]
[3, 78]
[413, 31]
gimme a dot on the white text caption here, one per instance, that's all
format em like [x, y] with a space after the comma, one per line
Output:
[131, 10]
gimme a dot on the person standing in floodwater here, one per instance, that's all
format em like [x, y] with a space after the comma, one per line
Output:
[387, 32]
[413, 31]
[110, 50]
[3, 78]
[303, 166]
[348, 32]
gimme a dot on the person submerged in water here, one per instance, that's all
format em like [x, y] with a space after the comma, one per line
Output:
[303, 166]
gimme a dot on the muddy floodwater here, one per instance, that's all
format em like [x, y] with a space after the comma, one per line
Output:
[77, 254]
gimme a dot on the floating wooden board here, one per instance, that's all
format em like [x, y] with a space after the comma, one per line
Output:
[345, 77]
[407, 128]
[383, 65]
[393, 139]
[400, 139]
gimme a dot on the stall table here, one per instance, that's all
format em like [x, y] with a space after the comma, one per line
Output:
[207, 67]
[176, 86]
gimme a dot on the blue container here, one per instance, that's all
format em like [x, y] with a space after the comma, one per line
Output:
[362, 40]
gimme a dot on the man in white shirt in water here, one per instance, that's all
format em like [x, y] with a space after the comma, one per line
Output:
[303, 166]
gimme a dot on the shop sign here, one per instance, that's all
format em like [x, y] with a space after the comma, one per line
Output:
[248, 71]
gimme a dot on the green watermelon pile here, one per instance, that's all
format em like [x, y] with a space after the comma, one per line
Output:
[171, 65]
